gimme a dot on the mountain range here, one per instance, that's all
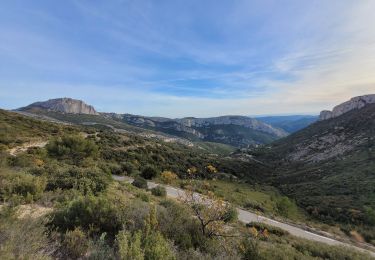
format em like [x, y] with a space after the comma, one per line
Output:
[291, 123]
[237, 131]
[327, 167]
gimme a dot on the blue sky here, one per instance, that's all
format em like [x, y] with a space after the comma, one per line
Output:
[188, 58]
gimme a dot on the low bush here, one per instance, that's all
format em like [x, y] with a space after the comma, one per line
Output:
[271, 229]
[231, 215]
[96, 215]
[140, 182]
[73, 147]
[75, 243]
[159, 191]
[24, 185]
[286, 207]
[23, 238]
[127, 168]
[86, 180]
[168, 177]
[149, 173]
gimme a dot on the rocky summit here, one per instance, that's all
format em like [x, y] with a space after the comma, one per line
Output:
[354, 103]
[63, 105]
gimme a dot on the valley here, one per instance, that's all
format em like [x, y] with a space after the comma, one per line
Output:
[315, 184]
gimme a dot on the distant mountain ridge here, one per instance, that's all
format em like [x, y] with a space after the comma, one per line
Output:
[289, 124]
[63, 105]
[238, 131]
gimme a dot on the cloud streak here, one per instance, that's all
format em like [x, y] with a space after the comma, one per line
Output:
[201, 59]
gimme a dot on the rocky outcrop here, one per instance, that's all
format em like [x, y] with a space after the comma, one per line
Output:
[63, 105]
[239, 131]
[244, 121]
[354, 103]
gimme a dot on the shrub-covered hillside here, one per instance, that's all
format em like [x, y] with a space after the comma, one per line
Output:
[329, 169]
[59, 200]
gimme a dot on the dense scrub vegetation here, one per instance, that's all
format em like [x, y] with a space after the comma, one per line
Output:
[81, 212]
[338, 190]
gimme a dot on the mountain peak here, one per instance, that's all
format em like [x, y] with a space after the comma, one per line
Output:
[353, 103]
[63, 105]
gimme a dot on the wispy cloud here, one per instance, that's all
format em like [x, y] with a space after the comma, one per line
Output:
[199, 58]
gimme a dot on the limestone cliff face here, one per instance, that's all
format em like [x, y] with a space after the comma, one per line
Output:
[64, 105]
[244, 121]
[354, 103]
[239, 131]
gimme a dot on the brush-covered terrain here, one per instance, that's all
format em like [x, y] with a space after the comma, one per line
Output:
[59, 200]
[328, 168]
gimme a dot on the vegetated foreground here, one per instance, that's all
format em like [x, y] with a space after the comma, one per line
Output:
[60, 201]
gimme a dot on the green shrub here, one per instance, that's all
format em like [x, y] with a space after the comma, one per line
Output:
[94, 214]
[149, 172]
[86, 180]
[140, 182]
[23, 238]
[21, 160]
[21, 184]
[231, 215]
[130, 246]
[143, 196]
[157, 247]
[250, 249]
[72, 147]
[127, 168]
[370, 215]
[100, 249]
[75, 243]
[285, 207]
[159, 191]
[115, 169]
[177, 224]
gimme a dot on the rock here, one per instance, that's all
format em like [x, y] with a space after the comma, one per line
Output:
[64, 105]
[244, 121]
[240, 131]
[325, 114]
[354, 103]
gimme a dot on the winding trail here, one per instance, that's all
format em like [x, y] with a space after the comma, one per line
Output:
[22, 148]
[247, 216]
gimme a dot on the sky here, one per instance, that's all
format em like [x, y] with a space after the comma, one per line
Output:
[179, 58]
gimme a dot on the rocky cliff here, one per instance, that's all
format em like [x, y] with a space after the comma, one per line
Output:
[354, 103]
[244, 121]
[240, 131]
[63, 105]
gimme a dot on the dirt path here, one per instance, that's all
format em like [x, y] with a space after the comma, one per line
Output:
[22, 148]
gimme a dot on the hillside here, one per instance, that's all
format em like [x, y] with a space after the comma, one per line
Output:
[61, 201]
[328, 168]
[352, 104]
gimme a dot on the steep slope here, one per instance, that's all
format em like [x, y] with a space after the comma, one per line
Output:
[289, 124]
[329, 168]
[63, 105]
[238, 131]
[352, 104]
